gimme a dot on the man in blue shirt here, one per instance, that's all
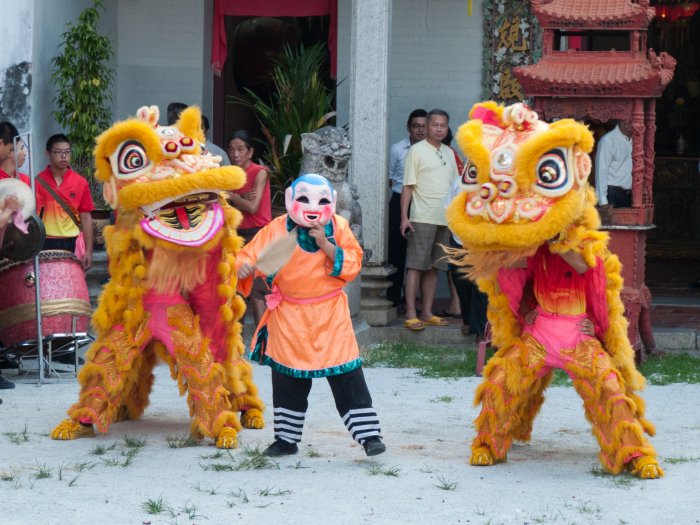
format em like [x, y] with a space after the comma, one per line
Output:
[416, 126]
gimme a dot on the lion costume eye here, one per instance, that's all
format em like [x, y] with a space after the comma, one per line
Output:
[469, 174]
[131, 160]
[552, 175]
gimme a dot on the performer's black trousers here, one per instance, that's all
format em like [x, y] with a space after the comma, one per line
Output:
[352, 399]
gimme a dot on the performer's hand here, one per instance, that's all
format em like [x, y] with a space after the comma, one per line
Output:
[586, 327]
[245, 271]
[86, 261]
[250, 195]
[8, 207]
[530, 317]
[318, 232]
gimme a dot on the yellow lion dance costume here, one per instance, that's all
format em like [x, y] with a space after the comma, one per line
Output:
[172, 284]
[531, 238]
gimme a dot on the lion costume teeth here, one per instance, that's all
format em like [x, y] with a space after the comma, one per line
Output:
[526, 198]
[171, 293]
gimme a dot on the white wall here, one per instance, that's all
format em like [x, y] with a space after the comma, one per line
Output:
[436, 51]
[163, 54]
[50, 20]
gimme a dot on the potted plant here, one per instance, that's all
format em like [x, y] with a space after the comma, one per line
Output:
[300, 102]
[83, 79]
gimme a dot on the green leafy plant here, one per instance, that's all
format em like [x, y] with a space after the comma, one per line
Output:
[83, 79]
[300, 103]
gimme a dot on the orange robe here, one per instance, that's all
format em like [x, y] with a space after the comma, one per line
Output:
[309, 333]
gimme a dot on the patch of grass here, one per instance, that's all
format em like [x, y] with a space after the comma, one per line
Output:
[191, 510]
[216, 455]
[218, 467]
[298, 465]
[240, 495]
[111, 462]
[273, 492]
[155, 506]
[443, 399]
[8, 476]
[254, 459]
[312, 452]
[624, 480]
[84, 465]
[181, 441]
[72, 482]
[42, 472]
[212, 491]
[431, 361]
[18, 437]
[680, 459]
[461, 362]
[426, 469]
[445, 484]
[250, 458]
[668, 369]
[375, 469]
[101, 450]
[134, 442]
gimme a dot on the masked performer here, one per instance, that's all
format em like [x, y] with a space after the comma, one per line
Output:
[307, 331]
[171, 293]
[530, 229]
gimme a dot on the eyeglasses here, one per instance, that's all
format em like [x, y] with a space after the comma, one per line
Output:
[417, 126]
[61, 152]
[442, 159]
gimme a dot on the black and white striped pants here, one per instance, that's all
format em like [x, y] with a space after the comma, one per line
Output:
[352, 399]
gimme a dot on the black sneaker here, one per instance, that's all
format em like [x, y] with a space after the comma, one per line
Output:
[5, 384]
[374, 446]
[281, 448]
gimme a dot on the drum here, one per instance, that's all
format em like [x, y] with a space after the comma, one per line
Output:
[64, 294]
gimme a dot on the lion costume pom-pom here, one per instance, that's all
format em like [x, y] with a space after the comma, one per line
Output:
[531, 239]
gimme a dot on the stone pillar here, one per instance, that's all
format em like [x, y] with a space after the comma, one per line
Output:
[369, 91]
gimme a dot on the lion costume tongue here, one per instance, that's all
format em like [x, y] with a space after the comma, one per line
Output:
[186, 225]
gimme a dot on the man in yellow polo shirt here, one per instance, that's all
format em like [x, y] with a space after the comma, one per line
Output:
[429, 171]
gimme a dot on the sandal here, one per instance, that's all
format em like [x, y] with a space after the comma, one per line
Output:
[436, 321]
[415, 324]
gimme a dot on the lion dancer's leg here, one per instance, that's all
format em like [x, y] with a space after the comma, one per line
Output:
[614, 415]
[211, 410]
[111, 373]
[510, 397]
[219, 320]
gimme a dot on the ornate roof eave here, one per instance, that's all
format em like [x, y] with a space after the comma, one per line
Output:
[593, 14]
[562, 77]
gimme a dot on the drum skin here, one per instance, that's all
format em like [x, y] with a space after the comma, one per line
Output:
[62, 280]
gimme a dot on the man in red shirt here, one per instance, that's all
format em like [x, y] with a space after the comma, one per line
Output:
[61, 230]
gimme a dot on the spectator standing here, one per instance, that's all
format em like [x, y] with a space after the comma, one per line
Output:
[172, 113]
[429, 171]
[211, 147]
[253, 200]
[63, 202]
[397, 243]
[8, 167]
[613, 169]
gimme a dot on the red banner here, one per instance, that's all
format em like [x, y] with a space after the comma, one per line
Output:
[272, 8]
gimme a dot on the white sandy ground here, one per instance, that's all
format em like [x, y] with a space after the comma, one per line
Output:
[427, 426]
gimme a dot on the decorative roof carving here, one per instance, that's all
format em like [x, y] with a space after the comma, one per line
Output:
[593, 14]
